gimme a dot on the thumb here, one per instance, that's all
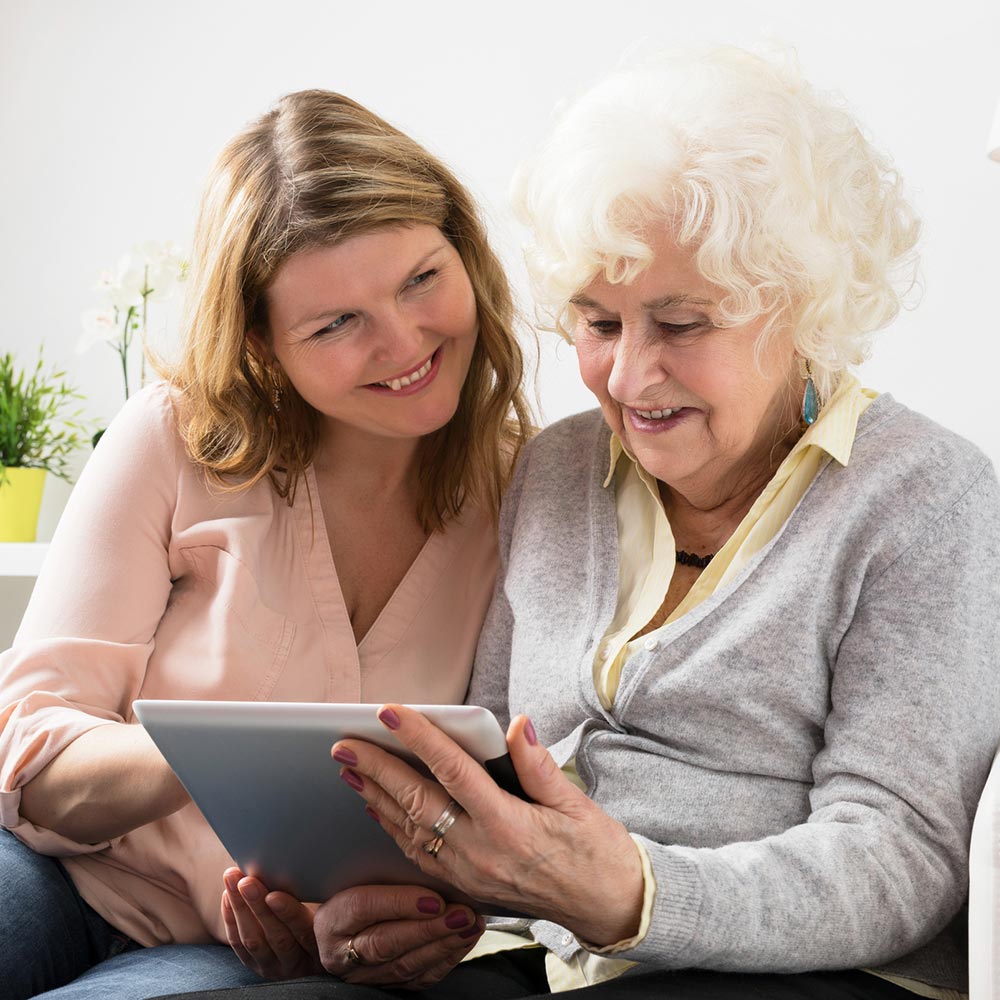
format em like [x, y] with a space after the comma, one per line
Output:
[540, 776]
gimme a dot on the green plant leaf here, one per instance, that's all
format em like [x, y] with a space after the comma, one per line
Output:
[40, 427]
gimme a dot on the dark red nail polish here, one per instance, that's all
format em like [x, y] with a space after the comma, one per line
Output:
[344, 756]
[371, 812]
[353, 779]
[529, 733]
[389, 718]
[470, 933]
[428, 904]
[456, 919]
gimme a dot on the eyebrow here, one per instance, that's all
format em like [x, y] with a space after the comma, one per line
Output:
[324, 313]
[664, 303]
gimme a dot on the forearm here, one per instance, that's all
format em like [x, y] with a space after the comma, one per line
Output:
[107, 782]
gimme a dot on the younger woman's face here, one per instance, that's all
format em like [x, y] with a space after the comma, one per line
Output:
[376, 333]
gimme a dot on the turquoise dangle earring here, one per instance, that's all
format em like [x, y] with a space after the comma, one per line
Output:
[810, 401]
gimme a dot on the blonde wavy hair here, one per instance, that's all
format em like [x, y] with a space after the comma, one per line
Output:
[787, 205]
[316, 170]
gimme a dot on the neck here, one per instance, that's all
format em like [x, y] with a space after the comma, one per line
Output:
[702, 517]
[367, 468]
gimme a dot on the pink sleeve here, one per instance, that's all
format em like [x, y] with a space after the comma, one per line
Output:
[80, 655]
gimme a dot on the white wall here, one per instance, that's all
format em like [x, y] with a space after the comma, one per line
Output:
[112, 110]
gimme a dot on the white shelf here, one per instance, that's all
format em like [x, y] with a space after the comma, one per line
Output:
[22, 558]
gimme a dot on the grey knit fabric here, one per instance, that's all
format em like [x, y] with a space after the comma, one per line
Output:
[802, 753]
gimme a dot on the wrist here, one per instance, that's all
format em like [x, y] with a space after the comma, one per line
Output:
[614, 914]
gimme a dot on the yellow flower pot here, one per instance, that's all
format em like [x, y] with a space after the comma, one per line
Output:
[20, 502]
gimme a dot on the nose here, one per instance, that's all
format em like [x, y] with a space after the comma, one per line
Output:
[399, 337]
[637, 370]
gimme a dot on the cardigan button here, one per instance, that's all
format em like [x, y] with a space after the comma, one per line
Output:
[651, 643]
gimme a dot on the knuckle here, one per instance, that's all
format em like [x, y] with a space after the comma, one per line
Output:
[284, 945]
[411, 851]
[449, 768]
[378, 949]
[354, 909]
[414, 800]
[331, 954]
[406, 970]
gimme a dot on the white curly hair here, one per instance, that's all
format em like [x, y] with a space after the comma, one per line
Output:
[787, 205]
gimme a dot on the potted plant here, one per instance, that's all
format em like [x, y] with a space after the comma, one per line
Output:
[40, 428]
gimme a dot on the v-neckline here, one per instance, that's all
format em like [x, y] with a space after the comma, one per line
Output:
[397, 614]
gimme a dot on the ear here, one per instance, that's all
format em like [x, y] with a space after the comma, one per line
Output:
[260, 347]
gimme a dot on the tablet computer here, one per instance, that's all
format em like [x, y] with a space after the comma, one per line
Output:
[262, 775]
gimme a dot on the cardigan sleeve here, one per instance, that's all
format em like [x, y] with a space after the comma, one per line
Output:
[80, 655]
[491, 672]
[881, 864]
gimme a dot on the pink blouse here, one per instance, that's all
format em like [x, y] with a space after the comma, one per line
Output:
[158, 586]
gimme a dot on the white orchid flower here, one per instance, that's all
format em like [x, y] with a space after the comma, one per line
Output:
[148, 273]
[165, 268]
[99, 326]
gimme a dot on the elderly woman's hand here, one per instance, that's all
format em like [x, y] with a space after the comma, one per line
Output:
[384, 935]
[559, 856]
[400, 935]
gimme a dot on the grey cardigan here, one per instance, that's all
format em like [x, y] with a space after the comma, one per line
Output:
[802, 753]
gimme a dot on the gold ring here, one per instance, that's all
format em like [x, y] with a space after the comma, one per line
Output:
[432, 847]
[447, 819]
[352, 956]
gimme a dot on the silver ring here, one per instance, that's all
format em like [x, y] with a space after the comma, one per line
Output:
[446, 820]
[432, 847]
[352, 956]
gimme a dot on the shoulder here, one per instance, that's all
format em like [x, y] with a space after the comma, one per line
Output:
[148, 418]
[567, 460]
[907, 453]
[142, 447]
[909, 483]
[569, 447]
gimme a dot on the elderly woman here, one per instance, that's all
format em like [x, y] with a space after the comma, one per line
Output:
[749, 606]
[303, 510]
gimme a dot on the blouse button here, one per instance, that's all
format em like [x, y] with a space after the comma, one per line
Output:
[651, 643]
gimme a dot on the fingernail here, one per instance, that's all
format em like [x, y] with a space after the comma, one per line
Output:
[389, 718]
[529, 733]
[456, 919]
[353, 779]
[344, 756]
[250, 892]
[427, 904]
[232, 880]
[470, 933]
[276, 905]
[374, 815]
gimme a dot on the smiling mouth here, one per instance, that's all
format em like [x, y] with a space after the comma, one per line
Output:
[658, 414]
[395, 384]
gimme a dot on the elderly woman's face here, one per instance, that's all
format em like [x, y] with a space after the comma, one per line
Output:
[694, 403]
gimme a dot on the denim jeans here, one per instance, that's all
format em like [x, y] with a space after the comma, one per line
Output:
[520, 975]
[52, 944]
